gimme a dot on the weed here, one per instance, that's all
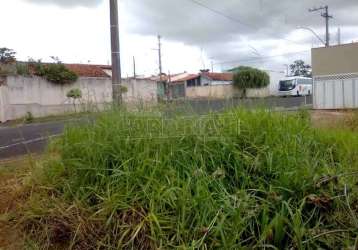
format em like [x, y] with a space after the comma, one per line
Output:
[251, 182]
[29, 118]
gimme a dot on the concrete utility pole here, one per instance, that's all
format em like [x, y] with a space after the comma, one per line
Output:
[134, 69]
[339, 36]
[116, 59]
[325, 15]
[160, 56]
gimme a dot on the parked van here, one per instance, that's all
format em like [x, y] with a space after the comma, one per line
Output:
[296, 86]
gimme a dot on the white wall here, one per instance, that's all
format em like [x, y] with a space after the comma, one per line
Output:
[140, 90]
[223, 92]
[34, 94]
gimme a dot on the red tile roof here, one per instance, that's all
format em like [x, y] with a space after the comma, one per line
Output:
[187, 78]
[86, 70]
[219, 76]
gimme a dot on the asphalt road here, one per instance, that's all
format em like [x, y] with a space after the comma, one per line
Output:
[21, 140]
[33, 138]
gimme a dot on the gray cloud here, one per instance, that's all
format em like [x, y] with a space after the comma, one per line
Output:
[256, 22]
[68, 3]
[262, 24]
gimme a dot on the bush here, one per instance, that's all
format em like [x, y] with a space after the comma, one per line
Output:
[22, 69]
[251, 78]
[29, 118]
[74, 94]
[56, 73]
[124, 89]
[241, 180]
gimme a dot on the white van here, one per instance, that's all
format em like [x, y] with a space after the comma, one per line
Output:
[296, 86]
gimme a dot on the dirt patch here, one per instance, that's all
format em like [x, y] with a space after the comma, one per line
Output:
[335, 119]
[11, 194]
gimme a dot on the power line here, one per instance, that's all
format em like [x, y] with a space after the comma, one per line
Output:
[223, 14]
[236, 20]
[265, 58]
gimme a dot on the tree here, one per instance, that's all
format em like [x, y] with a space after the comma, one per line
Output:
[239, 68]
[7, 55]
[250, 78]
[74, 94]
[300, 68]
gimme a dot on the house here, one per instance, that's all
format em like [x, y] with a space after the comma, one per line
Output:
[218, 86]
[335, 77]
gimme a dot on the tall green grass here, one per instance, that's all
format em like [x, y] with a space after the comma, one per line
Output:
[237, 180]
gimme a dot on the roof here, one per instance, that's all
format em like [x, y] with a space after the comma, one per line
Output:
[185, 78]
[219, 76]
[87, 70]
[165, 77]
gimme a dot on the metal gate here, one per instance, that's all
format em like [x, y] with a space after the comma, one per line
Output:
[336, 92]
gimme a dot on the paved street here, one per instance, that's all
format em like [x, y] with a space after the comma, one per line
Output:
[33, 138]
[21, 140]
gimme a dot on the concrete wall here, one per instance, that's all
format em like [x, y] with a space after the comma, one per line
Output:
[19, 95]
[224, 92]
[140, 91]
[340, 59]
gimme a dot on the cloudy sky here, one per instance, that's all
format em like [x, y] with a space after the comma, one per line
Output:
[196, 33]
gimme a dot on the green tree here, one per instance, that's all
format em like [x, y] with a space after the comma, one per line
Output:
[250, 78]
[7, 55]
[300, 68]
[239, 68]
[74, 94]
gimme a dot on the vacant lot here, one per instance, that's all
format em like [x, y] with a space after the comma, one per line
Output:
[236, 180]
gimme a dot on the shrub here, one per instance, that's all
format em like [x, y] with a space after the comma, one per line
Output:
[56, 73]
[251, 78]
[22, 69]
[74, 94]
[53, 72]
[124, 89]
[29, 118]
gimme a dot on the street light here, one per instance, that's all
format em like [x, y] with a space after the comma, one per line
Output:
[313, 32]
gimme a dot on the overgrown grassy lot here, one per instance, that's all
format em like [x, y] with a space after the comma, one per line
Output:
[238, 180]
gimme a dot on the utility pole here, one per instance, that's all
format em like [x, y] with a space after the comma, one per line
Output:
[160, 56]
[134, 69]
[116, 59]
[339, 40]
[166, 83]
[325, 15]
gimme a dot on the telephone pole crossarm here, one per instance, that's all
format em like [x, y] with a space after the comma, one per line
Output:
[327, 16]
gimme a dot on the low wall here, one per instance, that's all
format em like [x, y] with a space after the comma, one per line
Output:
[224, 92]
[140, 91]
[19, 95]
